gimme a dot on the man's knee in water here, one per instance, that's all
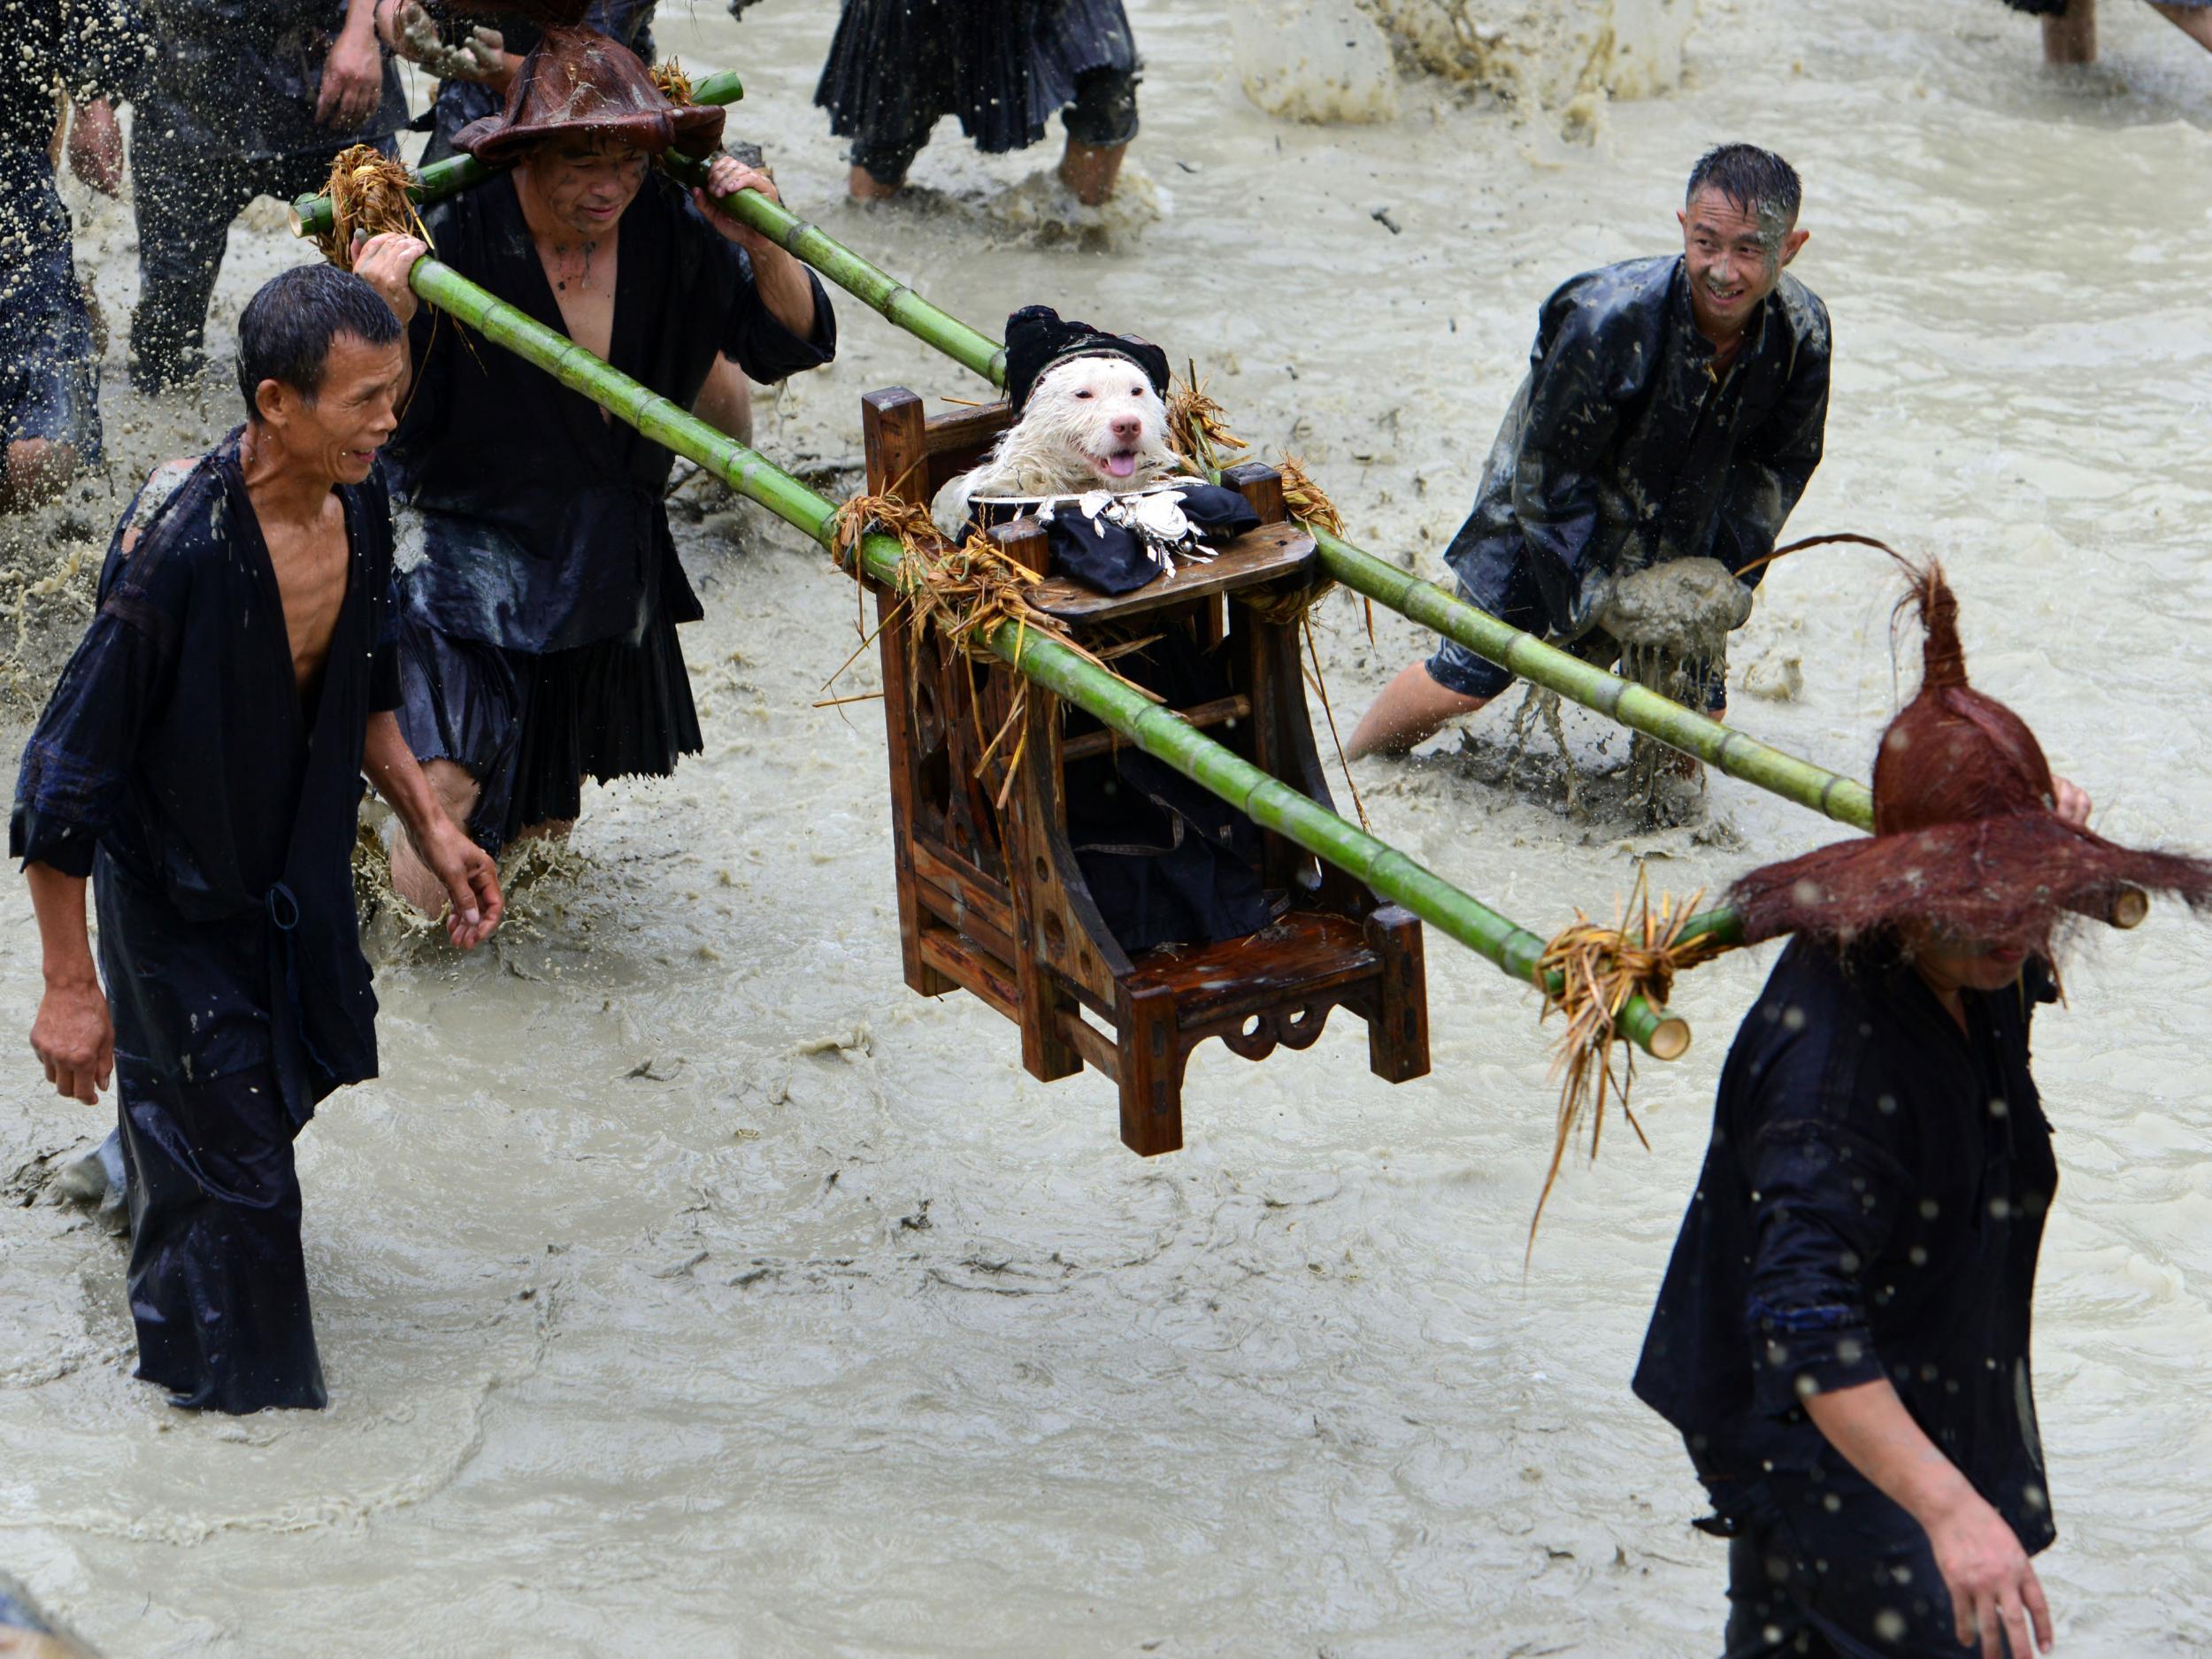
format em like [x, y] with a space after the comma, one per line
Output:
[37, 469]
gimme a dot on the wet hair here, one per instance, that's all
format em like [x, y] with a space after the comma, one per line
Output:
[285, 331]
[1756, 181]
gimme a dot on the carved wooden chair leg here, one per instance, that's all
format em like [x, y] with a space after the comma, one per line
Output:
[1152, 1057]
[1398, 1017]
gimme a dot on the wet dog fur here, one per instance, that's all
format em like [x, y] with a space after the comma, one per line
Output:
[1090, 423]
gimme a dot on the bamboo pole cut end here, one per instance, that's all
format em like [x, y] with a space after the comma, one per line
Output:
[2129, 906]
[1669, 1037]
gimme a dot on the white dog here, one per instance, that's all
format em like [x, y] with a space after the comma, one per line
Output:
[1090, 424]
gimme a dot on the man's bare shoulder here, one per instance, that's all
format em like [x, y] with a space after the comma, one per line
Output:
[160, 488]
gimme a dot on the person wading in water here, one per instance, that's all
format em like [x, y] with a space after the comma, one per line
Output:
[201, 761]
[1842, 1336]
[1673, 408]
[538, 642]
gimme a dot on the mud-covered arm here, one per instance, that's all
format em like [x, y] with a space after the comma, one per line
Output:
[780, 323]
[1572, 419]
[1772, 466]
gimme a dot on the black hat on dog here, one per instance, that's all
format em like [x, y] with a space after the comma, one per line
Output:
[1037, 337]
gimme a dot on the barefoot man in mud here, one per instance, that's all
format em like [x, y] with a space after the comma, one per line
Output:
[538, 636]
[1673, 410]
[201, 761]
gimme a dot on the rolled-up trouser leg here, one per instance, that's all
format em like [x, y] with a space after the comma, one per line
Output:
[1104, 112]
[217, 1283]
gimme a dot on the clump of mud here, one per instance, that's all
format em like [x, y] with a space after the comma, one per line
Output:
[1540, 52]
[1323, 61]
[1669, 625]
[1673, 622]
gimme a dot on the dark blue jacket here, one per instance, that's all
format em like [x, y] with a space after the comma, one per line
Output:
[1872, 1205]
[1623, 450]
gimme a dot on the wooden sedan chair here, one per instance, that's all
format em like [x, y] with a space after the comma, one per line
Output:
[995, 903]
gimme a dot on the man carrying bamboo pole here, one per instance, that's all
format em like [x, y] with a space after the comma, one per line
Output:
[538, 644]
[201, 761]
[1842, 1337]
[1673, 408]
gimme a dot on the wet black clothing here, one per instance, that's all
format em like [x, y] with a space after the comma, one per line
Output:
[48, 382]
[547, 566]
[1167, 861]
[457, 103]
[89, 49]
[1872, 1205]
[1621, 450]
[214, 808]
[239, 78]
[229, 116]
[1003, 66]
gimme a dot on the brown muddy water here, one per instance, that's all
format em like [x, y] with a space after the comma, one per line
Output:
[687, 1286]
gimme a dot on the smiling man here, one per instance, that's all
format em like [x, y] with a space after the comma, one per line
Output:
[538, 638]
[1673, 408]
[201, 762]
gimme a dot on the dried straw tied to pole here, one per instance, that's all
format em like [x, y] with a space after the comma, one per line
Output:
[1591, 972]
[368, 194]
[966, 592]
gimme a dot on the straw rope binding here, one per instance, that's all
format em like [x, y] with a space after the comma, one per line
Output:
[966, 592]
[368, 194]
[1598, 969]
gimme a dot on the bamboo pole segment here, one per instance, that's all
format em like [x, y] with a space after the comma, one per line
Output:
[311, 214]
[1157, 731]
[1846, 800]
[875, 288]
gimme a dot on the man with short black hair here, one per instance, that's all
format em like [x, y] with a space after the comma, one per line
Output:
[1673, 408]
[201, 761]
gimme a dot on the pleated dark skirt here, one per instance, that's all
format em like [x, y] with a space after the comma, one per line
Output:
[1004, 67]
[529, 727]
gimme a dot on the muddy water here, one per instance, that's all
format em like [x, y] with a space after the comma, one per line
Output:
[687, 1286]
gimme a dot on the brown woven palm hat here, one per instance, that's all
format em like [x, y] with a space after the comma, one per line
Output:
[576, 81]
[1967, 844]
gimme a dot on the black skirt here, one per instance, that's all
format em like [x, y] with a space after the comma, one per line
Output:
[1004, 67]
[529, 727]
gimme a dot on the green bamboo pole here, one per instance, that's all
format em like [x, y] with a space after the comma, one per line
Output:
[1843, 799]
[311, 214]
[1267, 801]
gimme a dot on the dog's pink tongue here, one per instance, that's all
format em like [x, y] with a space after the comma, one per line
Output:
[1121, 466]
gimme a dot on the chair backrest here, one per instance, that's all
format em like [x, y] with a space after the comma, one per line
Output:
[913, 454]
